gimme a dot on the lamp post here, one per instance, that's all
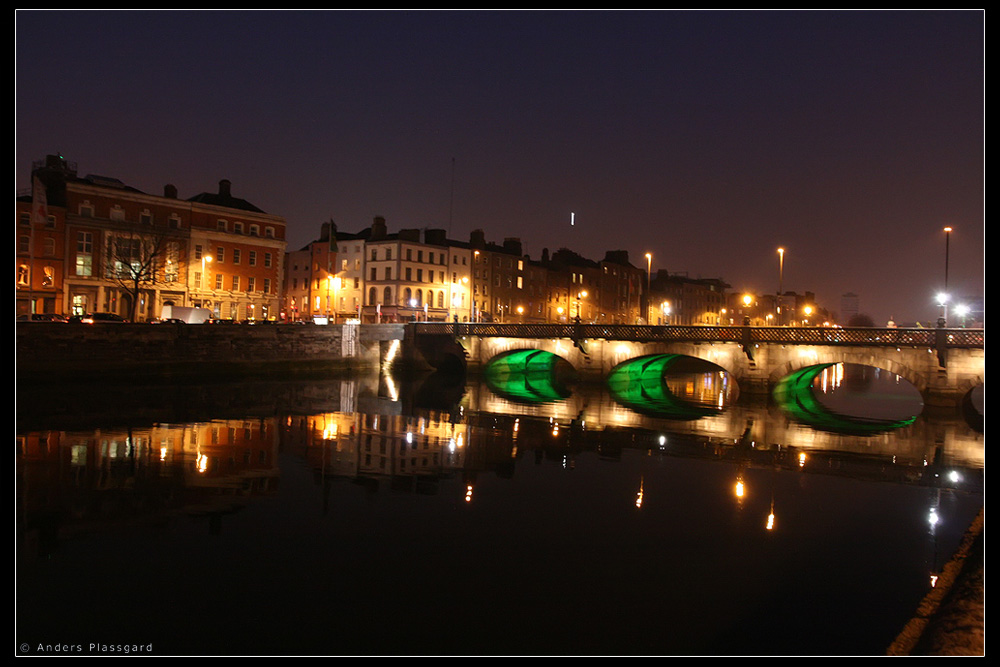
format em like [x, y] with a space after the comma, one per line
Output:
[205, 261]
[579, 295]
[781, 277]
[649, 274]
[476, 312]
[944, 297]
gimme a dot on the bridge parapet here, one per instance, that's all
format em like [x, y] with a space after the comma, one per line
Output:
[887, 337]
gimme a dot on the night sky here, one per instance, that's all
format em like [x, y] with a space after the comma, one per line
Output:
[710, 139]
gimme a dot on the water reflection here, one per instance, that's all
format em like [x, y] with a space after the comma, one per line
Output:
[348, 511]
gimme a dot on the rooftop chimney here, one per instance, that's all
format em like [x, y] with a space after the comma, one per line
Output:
[224, 188]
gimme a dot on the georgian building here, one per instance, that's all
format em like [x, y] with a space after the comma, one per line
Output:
[104, 246]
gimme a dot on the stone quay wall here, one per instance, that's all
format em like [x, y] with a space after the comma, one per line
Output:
[52, 351]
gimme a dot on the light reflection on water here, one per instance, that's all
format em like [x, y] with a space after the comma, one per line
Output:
[345, 518]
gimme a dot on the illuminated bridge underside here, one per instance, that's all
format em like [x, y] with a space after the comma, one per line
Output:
[534, 376]
[794, 393]
[638, 385]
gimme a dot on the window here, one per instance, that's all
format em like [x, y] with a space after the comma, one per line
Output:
[197, 253]
[220, 225]
[236, 256]
[86, 209]
[237, 228]
[251, 283]
[373, 274]
[267, 259]
[267, 285]
[146, 218]
[254, 230]
[84, 254]
[408, 273]
[220, 254]
[236, 283]
[269, 232]
[172, 269]
[388, 273]
[253, 258]
[174, 222]
[388, 253]
[218, 281]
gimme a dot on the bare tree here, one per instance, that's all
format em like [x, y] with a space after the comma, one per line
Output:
[138, 260]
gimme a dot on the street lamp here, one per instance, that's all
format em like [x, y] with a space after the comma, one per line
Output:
[944, 300]
[476, 312]
[781, 278]
[205, 259]
[649, 274]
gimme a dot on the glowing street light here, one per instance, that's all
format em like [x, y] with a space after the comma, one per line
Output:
[582, 294]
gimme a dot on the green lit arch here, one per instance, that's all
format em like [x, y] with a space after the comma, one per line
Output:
[638, 384]
[532, 376]
[794, 394]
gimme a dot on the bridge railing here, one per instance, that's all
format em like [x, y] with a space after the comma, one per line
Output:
[895, 337]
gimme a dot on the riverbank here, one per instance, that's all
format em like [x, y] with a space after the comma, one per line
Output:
[951, 619]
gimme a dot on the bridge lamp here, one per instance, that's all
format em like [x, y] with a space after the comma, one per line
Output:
[582, 294]
[962, 311]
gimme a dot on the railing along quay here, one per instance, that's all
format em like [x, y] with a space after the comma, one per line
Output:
[894, 337]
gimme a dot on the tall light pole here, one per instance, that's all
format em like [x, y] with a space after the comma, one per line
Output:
[944, 299]
[649, 274]
[476, 312]
[205, 260]
[781, 277]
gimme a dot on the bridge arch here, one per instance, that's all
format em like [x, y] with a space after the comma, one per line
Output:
[847, 356]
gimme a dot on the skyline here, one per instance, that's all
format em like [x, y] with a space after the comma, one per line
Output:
[709, 139]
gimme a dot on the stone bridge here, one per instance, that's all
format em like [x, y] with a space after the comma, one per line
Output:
[943, 364]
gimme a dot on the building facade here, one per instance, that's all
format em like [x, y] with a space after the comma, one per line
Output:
[102, 246]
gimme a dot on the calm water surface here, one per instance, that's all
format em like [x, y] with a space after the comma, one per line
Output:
[371, 516]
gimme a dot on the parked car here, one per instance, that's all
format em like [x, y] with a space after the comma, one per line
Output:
[98, 318]
[41, 317]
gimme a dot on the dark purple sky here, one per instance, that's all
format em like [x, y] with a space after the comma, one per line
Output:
[707, 138]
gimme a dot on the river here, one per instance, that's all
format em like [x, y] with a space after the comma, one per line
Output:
[435, 516]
